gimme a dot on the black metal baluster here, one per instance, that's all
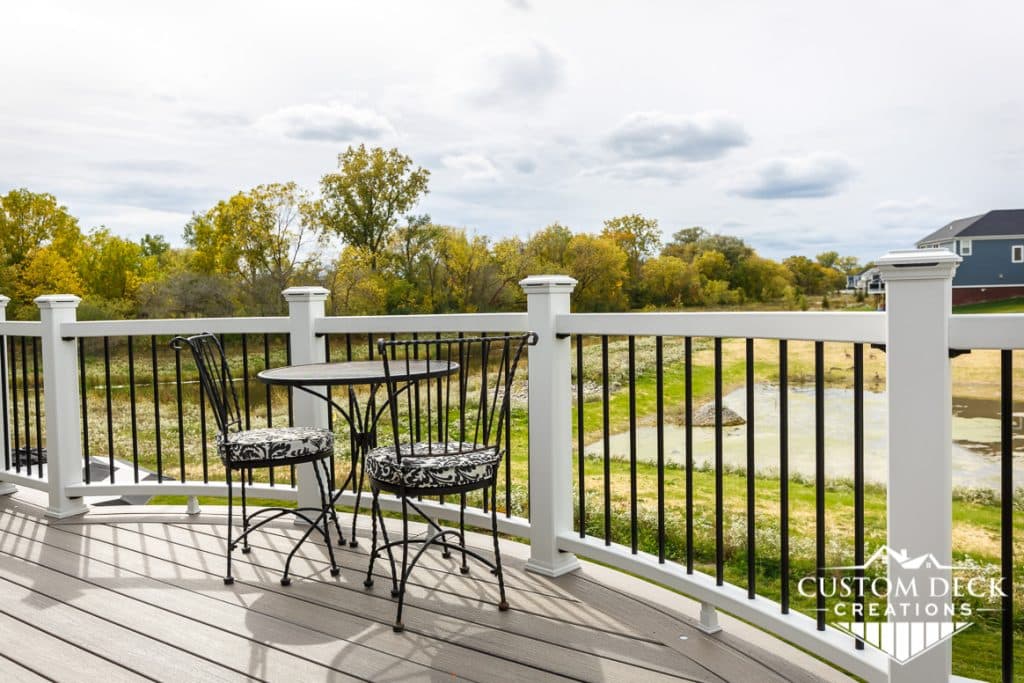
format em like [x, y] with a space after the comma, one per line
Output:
[110, 408]
[245, 380]
[508, 433]
[688, 447]
[633, 527]
[784, 475]
[719, 483]
[13, 358]
[156, 410]
[660, 381]
[291, 407]
[269, 401]
[202, 437]
[819, 476]
[333, 473]
[84, 398]
[858, 479]
[580, 460]
[607, 446]
[39, 411]
[134, 409]
[25, 405]
[1006, 511]
[3, 402]
[751, 484]
[181, 418]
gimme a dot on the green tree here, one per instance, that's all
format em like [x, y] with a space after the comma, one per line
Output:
[600, 269]
[29, 220]
[265, 236]
[638, 237]
[364, 200]
[670, 281]
[546, 249]
[154, 245]
[111, 267]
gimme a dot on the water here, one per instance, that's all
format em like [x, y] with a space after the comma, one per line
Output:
[975, 438]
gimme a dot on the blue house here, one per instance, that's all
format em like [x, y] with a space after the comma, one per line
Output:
[992, 248]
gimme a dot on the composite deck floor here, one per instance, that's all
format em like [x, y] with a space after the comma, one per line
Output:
[133, 593]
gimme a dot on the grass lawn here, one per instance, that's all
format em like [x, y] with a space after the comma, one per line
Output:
[1015, 305]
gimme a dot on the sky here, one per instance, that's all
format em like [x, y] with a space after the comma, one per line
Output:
[799, 126]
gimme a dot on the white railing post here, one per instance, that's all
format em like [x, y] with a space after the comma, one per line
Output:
[63, 406]
[550, 376]
[918, 286]
[5, 487]
[305, 305]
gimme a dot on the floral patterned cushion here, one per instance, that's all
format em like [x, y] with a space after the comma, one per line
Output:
[433, 465]
[274, 443]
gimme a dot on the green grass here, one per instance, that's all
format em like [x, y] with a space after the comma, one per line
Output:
[1015, 305]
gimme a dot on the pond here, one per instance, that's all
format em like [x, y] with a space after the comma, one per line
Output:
[975, 437]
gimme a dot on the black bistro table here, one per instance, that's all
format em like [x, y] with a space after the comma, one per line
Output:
[314, 378]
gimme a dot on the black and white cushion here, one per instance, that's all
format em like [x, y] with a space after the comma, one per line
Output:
[274, 443]
[433, 465]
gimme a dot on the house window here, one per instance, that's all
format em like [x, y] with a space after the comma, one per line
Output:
[965, 247]
[1017, 253]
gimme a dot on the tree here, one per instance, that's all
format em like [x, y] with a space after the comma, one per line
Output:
[264, 236]
[670, 281]
[363, 201]
[44, 270]
[547, 248]
[682, 243]
[110, 267]
[638, 237]
[355, 288]
[154, 245]
[30, 220]
[599, 266]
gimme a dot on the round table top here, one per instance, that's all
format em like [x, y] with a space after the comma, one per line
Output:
[355, 372]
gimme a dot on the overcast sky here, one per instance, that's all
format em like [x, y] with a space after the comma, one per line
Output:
[799, 126]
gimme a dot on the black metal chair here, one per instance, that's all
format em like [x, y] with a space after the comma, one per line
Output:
[449, 438]
[244, 450]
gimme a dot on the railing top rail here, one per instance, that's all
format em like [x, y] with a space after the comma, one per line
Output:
[166, 326]
[996, 331]
[868, 328]
[21, 329]
[451, 322]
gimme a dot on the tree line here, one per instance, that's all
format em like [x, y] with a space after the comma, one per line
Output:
[359, 237]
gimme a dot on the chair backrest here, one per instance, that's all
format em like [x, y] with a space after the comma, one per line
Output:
[215, 378]
[470, 407]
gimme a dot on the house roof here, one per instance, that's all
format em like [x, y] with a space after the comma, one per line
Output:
[991, 224]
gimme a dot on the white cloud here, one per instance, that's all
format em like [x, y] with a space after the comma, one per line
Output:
[332, 122]
[811, 176]
[658, 171]
[525, 76]
[659, 135]
[471, 166]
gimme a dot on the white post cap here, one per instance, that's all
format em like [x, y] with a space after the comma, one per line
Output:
[547, 283]
[58, 301]
[305, 294]
[918, 264]
[4, 300]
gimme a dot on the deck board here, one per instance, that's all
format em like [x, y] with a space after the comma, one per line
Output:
[137, 592]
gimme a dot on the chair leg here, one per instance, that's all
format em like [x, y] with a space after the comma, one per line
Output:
[245, 518]
[462, 533]
[228, 579]
[399, 626]
[324, 485]
[387, 546]
[503, 604]
[353, 542]
[368, 581]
